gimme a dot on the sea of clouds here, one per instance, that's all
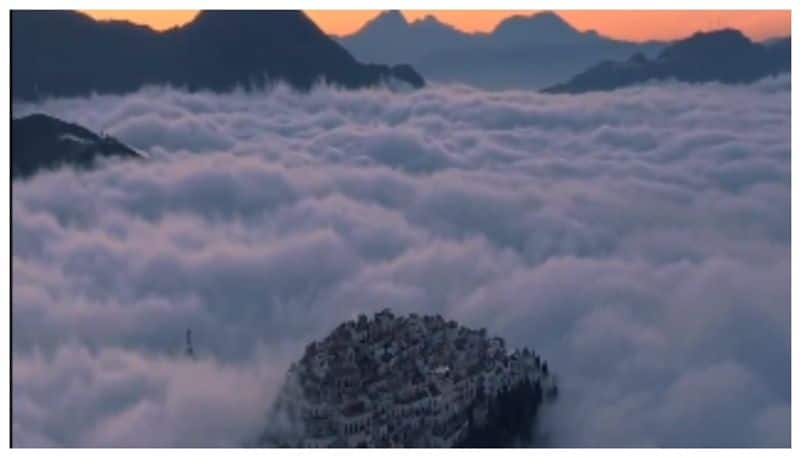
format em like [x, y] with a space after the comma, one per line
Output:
[639, 240]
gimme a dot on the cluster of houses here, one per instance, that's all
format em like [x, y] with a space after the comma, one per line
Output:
[400, 381]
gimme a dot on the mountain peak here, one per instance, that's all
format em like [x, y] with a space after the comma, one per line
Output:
[431, 23]
[548, 16]
[243, 15]
[248, 19]
[389, 18]
[546, 25]
[428, 19]
[716, 42]
[728, 35]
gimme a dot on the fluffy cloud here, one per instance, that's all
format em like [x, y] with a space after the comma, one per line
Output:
[638, 239]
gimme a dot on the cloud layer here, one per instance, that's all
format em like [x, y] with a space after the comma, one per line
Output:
[638, 239]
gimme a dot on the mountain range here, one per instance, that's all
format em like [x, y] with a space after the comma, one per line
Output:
[41, 142]
[65, 53]
[68, 53]
[521, 52]
[725, 56]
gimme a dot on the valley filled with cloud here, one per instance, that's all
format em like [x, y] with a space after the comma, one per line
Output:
[638, 239]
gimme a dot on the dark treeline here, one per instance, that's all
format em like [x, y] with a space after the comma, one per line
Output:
[510, 419]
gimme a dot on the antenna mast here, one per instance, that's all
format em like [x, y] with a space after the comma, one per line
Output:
[189, 348]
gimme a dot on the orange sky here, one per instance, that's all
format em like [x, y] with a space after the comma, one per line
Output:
[633, 25]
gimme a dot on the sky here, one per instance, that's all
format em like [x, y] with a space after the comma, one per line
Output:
[632, 25]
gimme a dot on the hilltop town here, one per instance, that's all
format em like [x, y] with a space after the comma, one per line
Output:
[408, 381]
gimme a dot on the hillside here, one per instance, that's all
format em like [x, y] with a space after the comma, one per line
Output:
[41, 142]
[409, 381]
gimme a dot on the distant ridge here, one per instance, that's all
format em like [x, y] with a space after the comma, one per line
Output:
[521, 52]
[69, 53]
[725, 56]
[543, 27]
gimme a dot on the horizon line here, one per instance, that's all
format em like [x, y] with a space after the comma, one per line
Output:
[163, 20]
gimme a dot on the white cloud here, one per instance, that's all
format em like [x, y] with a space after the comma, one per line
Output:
[639, 240]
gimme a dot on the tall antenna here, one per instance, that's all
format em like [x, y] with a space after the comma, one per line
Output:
[189, 348]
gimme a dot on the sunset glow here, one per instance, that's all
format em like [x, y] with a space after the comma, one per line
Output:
[632, 25]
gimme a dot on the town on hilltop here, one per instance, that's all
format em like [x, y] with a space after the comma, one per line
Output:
[408, 381]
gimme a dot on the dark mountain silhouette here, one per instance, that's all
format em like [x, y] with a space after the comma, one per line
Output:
[41, 142]
[69, 53]
[725, 56]
[521, 52]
